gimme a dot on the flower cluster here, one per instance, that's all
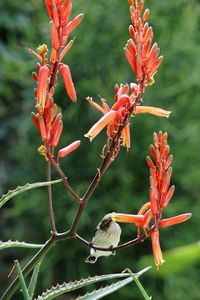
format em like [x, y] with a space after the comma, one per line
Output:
[150, 216]
[144, 60]
[47, 119]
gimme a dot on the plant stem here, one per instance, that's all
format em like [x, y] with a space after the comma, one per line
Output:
[50, 202]
[63, 177]
[22, 281]
[142, 290]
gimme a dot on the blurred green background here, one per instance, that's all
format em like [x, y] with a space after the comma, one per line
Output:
[97, 63]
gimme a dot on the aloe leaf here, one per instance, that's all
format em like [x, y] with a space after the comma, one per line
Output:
[58, 290]
[21, 189]
[22, 281]
[33, 281]
[109, 289]
[17, 244]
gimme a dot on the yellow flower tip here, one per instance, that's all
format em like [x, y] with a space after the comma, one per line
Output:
[42, 150]
[89, 136]
[160, 263]
[42, 49]
[151, 81]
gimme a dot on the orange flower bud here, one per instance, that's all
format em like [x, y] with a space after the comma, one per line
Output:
[69, 85]
[48, 4]
[74, 23]
[55, 123]
[153, 200]
[65, 13]
[35, 120]
[168, 197]
[168, 162]
[55, 15]
[147, 218]
[56, 137]
[123, 100]
[42, 86]
[42, 128]
[175, 220]
[150, 163]
[54, 36]
[146, 15]
[130, 59]
[65, 151]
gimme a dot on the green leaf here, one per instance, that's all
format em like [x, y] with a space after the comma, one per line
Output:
[22, 281]
[33, 281]
[100, 293]
[177, 260]
[17, 244]
[21, 189]
[57, 290]
[71, 286]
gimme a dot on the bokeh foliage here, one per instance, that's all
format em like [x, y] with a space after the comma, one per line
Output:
[97, 63]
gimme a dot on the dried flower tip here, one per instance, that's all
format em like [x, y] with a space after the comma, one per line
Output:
[175, 220]
[69, 85]
[99, 126]
[65, 151]
[35, 54]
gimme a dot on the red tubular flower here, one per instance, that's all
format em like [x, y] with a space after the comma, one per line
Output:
[157, 252]
[175, 220]
[126, 218]
[101, 124]
[69, 85]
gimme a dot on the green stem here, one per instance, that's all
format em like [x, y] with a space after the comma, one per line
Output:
[142, 290]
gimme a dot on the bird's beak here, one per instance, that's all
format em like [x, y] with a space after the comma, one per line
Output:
[126, 218]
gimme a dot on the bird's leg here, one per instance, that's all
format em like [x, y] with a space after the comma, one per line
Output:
[91, 246]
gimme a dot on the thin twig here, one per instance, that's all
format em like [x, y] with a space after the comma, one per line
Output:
[50, 202]
[63, 177]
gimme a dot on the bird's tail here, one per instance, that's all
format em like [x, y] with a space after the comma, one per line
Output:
[91, 259]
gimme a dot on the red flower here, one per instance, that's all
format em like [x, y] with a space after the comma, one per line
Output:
[149, 217]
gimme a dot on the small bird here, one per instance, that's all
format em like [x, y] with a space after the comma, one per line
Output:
[107, 234]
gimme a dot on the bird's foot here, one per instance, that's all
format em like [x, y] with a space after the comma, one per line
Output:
[112, 250]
